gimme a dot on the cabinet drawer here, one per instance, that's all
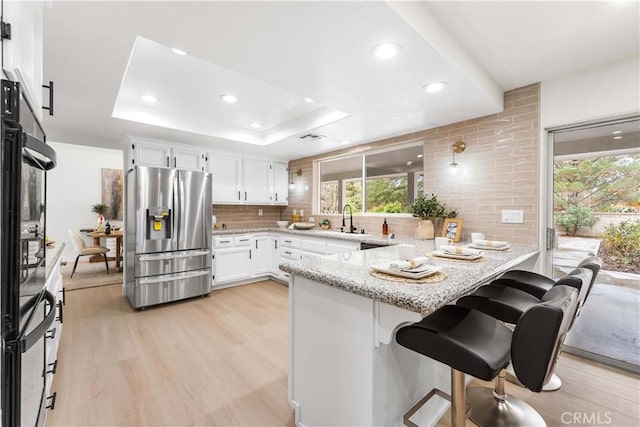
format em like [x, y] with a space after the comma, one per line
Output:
[241, 241]
[223, 242]
[291, 242]
[289, 253]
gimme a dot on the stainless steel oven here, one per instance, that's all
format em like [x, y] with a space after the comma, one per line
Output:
[28, 310]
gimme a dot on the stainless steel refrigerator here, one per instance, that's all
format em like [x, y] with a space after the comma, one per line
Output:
[168, 253]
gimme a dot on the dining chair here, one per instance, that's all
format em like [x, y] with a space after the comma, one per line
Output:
[83, 250]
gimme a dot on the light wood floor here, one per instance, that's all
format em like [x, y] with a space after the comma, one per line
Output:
[222, 360]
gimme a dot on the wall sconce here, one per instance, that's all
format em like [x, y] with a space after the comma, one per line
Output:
[291, 183]
[456, 148]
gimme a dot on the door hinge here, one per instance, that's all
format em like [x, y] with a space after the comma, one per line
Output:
[551, 237]
[5, 30]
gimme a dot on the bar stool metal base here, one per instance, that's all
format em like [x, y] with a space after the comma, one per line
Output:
[487, 410]
[459, 409]
[553, 384]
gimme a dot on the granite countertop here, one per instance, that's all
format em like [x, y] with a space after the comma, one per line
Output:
[376, 239]
[350, 272]
[52, 257]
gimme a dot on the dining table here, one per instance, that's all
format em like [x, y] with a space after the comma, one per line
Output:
[115, 234]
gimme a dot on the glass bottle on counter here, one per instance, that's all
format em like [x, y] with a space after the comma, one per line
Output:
[295, 217]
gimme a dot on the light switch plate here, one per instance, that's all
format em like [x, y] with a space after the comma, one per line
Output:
[259, 212]
[512, 217]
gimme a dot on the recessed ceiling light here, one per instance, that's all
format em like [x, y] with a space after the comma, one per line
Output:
[434, 87]
[178, 51]
[617, 137]
[419, 156]
[149, 98]
[255, 125]
[230, 99]
[345, 141]
[409, 162]
[386, 50]
[309, 100]
[616, 132]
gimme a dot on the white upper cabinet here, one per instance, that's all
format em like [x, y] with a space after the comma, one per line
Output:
[148, 153]
[225, 169]
[22, 53]
[256, 181]
[280, 183]
[161, 154]
[188, 158]
[247, 181]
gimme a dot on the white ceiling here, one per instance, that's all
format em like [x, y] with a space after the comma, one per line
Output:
[320, 50]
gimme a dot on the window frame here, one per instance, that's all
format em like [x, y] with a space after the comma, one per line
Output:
[317, 173]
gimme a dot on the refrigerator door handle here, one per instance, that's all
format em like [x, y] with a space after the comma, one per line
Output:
[168, 256]
[28, 340]
[170, 277]
[175, 201]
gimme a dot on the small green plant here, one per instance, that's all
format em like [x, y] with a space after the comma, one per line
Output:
[325, 222]
[430, 207]
[576, 218]
[622, 243]
[99, 208]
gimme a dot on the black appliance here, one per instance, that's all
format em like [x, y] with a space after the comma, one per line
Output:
[28, 310]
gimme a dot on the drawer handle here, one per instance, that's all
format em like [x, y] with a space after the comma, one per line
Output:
[287, 241]
[54, 366]
[51, 333]
[288, 253]
[244, 240]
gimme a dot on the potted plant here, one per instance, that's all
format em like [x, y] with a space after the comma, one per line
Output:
[325, 224]
[428, 209]
[100, 209]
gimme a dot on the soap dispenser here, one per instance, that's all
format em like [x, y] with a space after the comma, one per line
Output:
[385, 228]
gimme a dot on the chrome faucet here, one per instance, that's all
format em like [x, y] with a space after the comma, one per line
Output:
[352, 229]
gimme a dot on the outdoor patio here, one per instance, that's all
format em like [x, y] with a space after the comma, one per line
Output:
[609, 324]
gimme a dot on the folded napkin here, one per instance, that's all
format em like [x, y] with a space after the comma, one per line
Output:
[459, 250]
[490, 243]
[410, 263]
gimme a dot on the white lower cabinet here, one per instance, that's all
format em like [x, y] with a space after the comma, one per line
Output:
[55, 286]
[231, 265]
[240, 258]
[261, 256]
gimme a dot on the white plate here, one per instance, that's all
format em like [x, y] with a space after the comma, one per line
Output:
[489, 248]
[443, 254]
[414, 273]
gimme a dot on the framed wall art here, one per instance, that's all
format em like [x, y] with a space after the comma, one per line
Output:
[452, 229]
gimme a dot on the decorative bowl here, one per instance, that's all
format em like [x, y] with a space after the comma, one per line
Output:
[282, 224]
[303, 225]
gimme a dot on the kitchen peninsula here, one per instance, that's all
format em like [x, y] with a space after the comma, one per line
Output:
[345, 367]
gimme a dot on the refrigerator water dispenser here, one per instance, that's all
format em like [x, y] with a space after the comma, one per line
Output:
[158, 224]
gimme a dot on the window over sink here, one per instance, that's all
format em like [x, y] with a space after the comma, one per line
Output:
[393, 177]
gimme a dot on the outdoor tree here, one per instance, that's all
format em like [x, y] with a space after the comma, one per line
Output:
[598, 184]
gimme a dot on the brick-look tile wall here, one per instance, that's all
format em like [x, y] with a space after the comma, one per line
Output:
[498, 170]
[247, 216]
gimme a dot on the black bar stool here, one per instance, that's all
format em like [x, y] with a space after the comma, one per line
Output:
[471, 342]
[537, 284]
[507, 298]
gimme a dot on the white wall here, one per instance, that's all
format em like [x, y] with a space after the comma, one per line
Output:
[73, 186]
[610, 91]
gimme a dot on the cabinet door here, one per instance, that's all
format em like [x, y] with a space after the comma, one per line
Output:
[280, 184]
[261, 255]
[255, 181]
[22, 54]
[225, 171]
[275, 257]
[231, 265]
[148, 153]
[188, 159]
